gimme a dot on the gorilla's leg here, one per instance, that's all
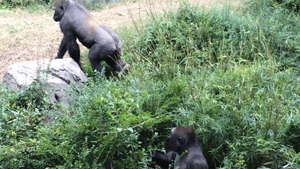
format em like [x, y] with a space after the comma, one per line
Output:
[114, 36]
[105, 52]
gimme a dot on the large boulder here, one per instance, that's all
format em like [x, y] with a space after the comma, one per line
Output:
[55, 74]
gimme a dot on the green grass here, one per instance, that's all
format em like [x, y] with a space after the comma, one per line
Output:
[231, 75]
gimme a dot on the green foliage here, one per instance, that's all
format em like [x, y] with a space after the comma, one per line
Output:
[95, 4]
[207, 36]
[33, 5]
[214, 36]
[31, 98]
[233, 77]
[21, 113]
[279, 29]
[287, 5]
[24, 3]
[253, 98]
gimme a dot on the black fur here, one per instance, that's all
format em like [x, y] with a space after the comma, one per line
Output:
[185, 147]
[163, 159]
[77, 22]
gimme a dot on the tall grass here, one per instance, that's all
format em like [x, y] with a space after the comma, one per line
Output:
[227, 74]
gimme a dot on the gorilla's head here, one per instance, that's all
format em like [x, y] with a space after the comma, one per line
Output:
[180, 139]
[59, 9]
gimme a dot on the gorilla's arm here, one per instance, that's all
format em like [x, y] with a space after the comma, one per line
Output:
[62, 49]
[163, 159]
[197, 161]
[194, 159]
[69, 43]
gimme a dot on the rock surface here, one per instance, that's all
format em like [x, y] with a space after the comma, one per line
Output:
[56, 74]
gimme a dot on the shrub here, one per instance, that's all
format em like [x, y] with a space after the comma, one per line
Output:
[193, 37]
[21, 113]
[287, 5]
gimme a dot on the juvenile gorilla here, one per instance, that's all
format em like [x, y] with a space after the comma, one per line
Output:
[182, 139]
[77, 22]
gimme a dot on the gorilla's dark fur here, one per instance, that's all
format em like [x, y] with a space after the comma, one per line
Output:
[182, 139]
[163, 159]
[77, 22]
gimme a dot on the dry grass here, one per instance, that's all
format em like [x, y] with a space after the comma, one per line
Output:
[26, 37]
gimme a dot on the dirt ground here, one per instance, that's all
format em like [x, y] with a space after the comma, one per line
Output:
[26, 37]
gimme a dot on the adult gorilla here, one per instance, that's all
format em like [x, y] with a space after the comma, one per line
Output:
[77, 22]
[182, 139]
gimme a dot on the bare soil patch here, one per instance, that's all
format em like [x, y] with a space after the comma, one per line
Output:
[26, 37]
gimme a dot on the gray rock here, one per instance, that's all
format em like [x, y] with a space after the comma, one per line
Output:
[56, 75]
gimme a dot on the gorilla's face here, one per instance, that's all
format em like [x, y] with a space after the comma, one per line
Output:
[173, 141]
[59, 12]
[180, 136]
